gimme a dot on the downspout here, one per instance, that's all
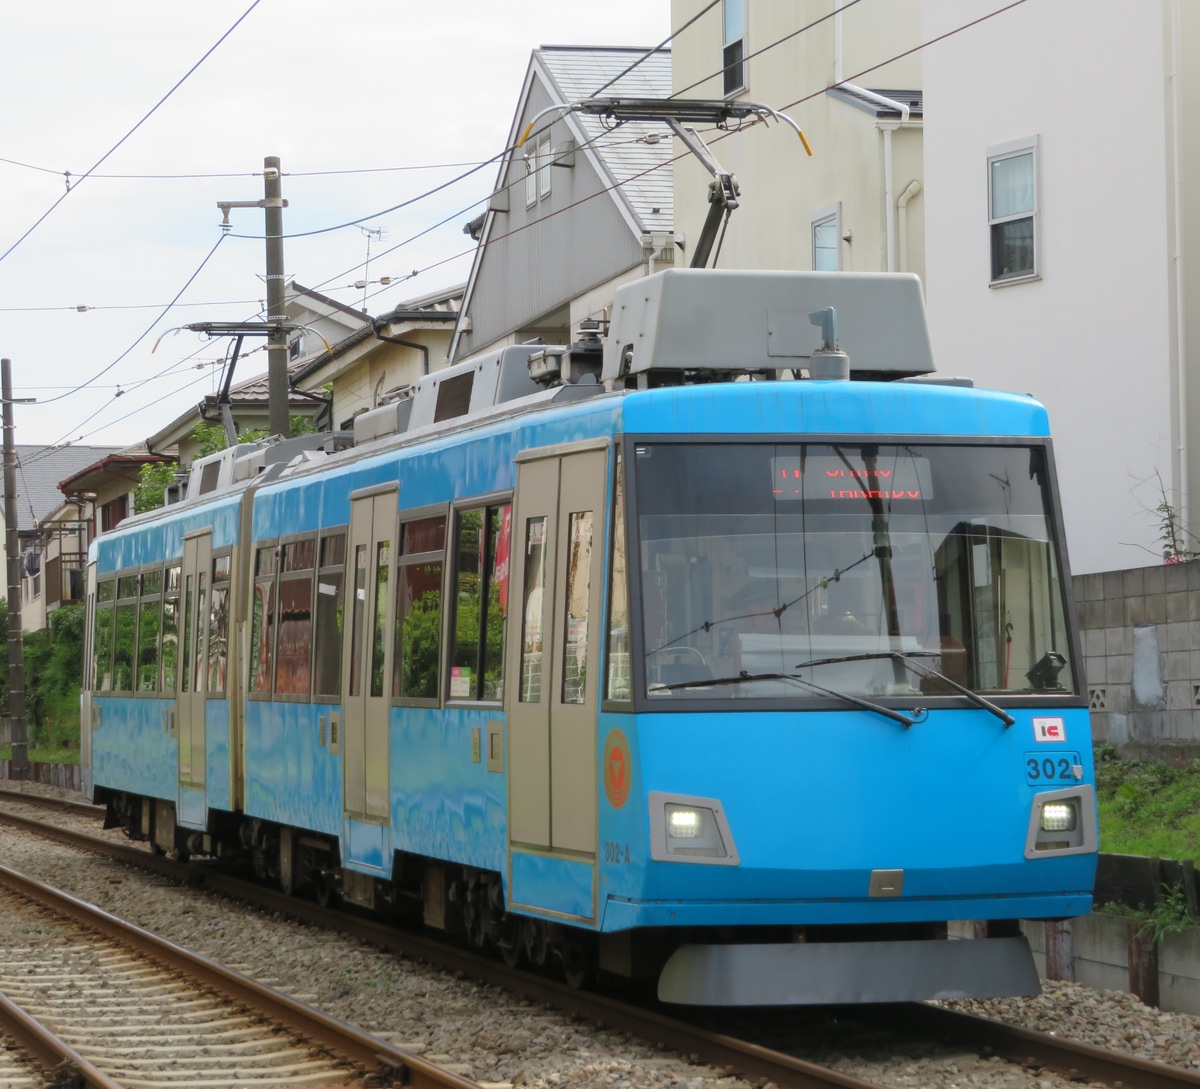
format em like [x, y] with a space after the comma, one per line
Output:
[378, 323]
[887, 128]
[1181, 376]
[910, 191]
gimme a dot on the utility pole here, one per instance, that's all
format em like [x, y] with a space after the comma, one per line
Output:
[277, 354]
[273, 205]
[16, 646]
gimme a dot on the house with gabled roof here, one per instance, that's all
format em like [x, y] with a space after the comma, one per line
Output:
[581, 208]
[48, 528]
[382, 356]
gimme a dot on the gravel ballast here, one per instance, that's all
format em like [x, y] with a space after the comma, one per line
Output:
[501, 1040]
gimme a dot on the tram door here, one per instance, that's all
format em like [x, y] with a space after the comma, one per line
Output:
[197, 569]
[558, 548]
[367, 666]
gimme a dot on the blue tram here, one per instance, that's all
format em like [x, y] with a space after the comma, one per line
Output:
[736, 651]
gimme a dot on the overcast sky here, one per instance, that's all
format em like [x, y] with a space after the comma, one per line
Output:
[406, 95]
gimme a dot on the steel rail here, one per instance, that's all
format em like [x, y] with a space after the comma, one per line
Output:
[1031, 1048]
[721, 1051]
[51, 801]
[53, 1055]
[367, 1051]
[1010, 1042]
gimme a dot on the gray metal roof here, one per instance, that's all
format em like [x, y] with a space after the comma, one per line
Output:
[914, 100]
[579, 72]
[39, 470]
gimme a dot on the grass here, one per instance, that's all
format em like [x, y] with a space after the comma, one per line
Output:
[1148, 808]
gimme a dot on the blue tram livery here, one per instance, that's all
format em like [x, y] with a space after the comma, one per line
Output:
[735, 651]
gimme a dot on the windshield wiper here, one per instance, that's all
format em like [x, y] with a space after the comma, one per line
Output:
[920, 667]
[867, 705]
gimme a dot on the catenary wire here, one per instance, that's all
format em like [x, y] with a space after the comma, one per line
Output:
[806, 98]
[145, 117]
[148, 330]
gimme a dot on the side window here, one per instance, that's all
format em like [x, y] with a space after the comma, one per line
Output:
[418, 634]
[1013, 210]
[170, 630]
[218, 626]
[577, 629]
[533, 613]
[481, 562]
[102, 640]
[262, 620]
[331, 597]
[125, 637]
[149, 619]
[618, 682]
[293, 648]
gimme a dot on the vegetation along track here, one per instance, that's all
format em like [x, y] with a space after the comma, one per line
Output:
[122, 1007]
[1032, 1051]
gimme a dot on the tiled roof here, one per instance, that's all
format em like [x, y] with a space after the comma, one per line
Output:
[579, 72]
[40, 468]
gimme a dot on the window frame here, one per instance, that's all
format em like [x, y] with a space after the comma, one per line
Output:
[482, 503]
[272, 580]
[542, 161]
[323, 535]
[831, 213]
[282, 575]
[531, 180]
[729, 85]
[229, 584]
[445, 630]
[1014, 149]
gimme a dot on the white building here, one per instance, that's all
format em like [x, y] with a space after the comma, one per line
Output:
[1062, 238]
[856, 204]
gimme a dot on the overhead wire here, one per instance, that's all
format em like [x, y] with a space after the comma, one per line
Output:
[923, 45]
[145, 333]
[145, 117]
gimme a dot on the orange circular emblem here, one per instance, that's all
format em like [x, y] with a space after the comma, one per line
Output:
[618, 768]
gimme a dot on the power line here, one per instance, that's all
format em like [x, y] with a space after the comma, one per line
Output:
[146, 332]
[910, 52]
[650, 52]
[145, 117]
[235, 173]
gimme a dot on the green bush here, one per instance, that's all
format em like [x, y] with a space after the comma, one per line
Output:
[53, 676]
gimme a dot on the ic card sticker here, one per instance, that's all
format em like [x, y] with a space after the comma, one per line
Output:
[1049, 730]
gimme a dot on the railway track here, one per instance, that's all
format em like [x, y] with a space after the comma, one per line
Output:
[118, 1007]
[1033, 1051]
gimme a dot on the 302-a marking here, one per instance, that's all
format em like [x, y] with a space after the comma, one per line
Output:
[616, 852]
[1058, 768]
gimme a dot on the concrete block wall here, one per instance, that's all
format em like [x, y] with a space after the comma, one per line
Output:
[1141, 647]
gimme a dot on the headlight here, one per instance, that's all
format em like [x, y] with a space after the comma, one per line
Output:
[686, 828]
[1058, 817]
[1062, 822]
[683, 823]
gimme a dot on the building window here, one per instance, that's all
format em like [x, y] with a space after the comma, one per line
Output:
[543, 167]
[734, 37]
[827, 239]
[531, 178]
[1013, 211]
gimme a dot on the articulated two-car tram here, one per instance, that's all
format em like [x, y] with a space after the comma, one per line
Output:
[712, 654]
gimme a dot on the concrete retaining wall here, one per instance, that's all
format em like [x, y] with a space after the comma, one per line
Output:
[1141, 648]
[67, 776]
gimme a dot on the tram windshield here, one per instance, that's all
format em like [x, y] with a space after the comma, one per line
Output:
[818, 569]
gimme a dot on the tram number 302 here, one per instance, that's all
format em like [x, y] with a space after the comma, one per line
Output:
[1057, 768]
[616, 852]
